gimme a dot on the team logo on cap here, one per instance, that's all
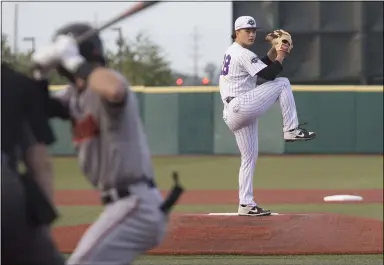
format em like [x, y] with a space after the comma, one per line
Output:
[251, 22]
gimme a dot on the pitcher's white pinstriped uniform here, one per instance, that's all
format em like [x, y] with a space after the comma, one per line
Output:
[238, 79]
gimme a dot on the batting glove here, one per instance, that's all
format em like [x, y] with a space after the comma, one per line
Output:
[43, 61]
[68, 53]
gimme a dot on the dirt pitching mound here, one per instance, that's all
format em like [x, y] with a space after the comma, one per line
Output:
[287, 234]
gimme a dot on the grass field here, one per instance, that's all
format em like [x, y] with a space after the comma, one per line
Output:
[273, 172]
[220, 172]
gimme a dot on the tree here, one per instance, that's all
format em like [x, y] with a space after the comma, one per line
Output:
[142, 62]
[19, 61]
[6, 53]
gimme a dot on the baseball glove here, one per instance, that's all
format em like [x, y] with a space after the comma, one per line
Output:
[281, 40]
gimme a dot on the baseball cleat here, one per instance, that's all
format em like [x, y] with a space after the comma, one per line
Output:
[298, 134]
[252, 210]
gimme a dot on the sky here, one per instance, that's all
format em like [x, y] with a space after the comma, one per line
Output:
[171, 25]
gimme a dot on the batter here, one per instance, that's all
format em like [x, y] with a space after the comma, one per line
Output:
[112, 152]
[244, 102]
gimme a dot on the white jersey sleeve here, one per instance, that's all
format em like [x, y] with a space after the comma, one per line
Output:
[251, 63]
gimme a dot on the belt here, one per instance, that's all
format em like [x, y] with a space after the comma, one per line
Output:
[228, 99]
[113, 195]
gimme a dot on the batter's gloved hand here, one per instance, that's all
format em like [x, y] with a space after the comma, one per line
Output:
[68, 53]
[63, 52]
[281, 40]
[43, 61]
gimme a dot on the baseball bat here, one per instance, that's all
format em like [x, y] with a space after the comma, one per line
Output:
[131, 11]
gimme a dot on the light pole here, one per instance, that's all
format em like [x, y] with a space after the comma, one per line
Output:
[32, 40]
[120, 45]
[15, 33]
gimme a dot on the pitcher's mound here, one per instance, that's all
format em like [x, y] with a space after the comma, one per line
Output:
[281, 234]
[285, 234]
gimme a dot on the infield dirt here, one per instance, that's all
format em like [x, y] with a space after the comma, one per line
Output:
[285, 234]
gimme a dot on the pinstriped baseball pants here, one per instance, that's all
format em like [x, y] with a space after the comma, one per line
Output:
[241, 116]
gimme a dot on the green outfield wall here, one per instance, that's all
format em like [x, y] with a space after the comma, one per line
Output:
[188, 120]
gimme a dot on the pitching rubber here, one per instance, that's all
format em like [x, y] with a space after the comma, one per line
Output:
[234, 214]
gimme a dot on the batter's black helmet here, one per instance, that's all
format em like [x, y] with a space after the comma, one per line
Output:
[92, 48]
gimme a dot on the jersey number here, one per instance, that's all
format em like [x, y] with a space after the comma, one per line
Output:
[225, 68]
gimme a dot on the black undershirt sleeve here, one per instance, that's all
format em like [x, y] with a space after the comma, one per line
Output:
[266, 60]
[271, 71]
